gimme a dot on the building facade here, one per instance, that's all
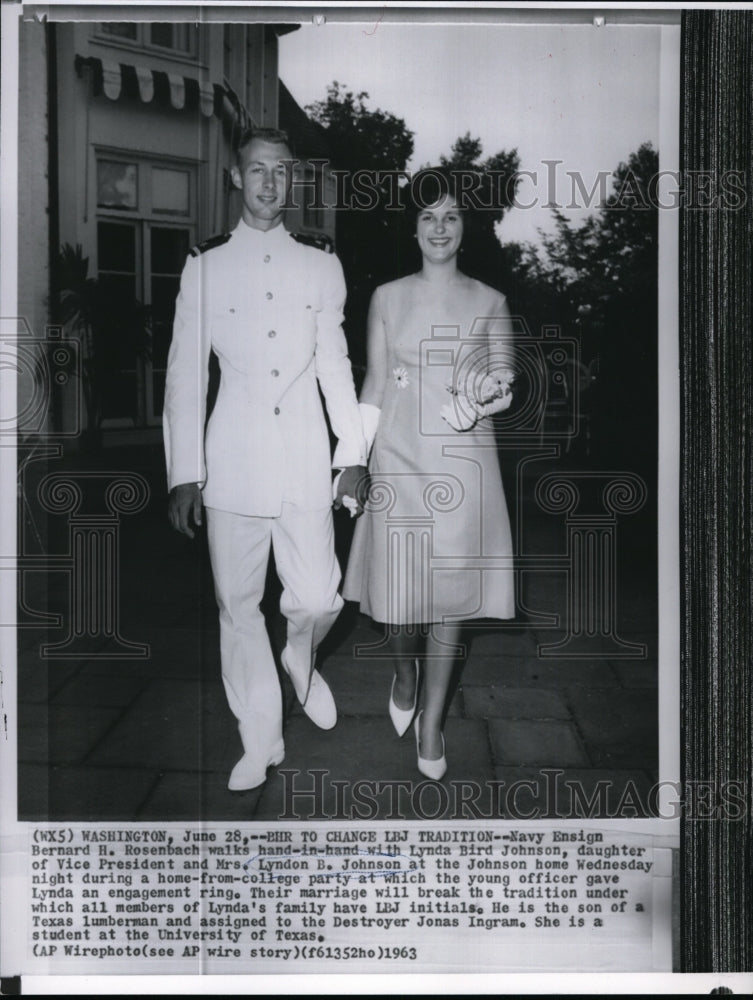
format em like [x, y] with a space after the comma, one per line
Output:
[142, 123]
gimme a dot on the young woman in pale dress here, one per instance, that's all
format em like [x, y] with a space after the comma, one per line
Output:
[433, 547]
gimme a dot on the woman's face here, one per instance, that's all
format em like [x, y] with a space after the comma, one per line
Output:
[439, 231]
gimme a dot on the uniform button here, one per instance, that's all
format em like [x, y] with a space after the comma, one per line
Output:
[269, 295]
[275, 373]
[272, 333]
[277, 411]
[232, 310]
[267, 258]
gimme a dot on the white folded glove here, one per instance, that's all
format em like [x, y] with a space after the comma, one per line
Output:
[460, 418]
[462, 412]
[369, 421]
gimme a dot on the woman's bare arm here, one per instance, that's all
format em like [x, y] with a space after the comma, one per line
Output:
[375, 381]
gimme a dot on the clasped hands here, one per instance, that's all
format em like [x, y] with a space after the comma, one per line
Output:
[351, 489]
[184, 506]
[493, 396]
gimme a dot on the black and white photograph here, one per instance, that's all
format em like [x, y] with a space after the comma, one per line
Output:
[356, 482]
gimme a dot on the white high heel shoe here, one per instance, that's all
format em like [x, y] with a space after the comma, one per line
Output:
[402, 717]
[434, 769]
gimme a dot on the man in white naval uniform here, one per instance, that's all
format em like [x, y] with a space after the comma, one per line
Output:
[271, 308]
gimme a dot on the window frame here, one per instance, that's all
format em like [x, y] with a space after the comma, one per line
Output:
[143, 43]
[143, 218]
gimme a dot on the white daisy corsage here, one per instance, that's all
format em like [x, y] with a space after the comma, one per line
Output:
[400, 375]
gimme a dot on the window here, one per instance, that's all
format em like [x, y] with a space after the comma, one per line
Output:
[145, 225]
[167, 254]
[120, 30]
[117, 185]
[170, 191]
[181, 39]
[117, 334]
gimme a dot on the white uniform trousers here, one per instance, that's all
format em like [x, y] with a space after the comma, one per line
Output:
[303, 543]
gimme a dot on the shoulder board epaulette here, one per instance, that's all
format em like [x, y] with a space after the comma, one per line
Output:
[210, 244]
[319, 240]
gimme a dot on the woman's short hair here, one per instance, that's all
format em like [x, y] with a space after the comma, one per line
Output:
[429, 186]
[275, 136]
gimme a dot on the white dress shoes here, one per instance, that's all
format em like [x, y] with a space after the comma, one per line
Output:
[250, 771]
[431, 768]
[313, 692]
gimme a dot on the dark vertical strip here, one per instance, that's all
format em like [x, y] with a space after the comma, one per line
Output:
[716, 327]
[52, 169]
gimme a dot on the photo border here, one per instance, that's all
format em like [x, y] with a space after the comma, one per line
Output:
[716, 926]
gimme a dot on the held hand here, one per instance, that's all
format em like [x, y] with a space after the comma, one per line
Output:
[353, 484]
[459, 418]
[184, 508]
[496, 405]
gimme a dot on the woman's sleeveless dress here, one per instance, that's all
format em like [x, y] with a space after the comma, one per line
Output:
[434, 543]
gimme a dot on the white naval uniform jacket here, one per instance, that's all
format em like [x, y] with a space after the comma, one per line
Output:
[271, 308]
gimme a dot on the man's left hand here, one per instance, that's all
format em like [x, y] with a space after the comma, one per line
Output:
[354, 482]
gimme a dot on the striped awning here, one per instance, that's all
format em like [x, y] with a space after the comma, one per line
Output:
[153, 86]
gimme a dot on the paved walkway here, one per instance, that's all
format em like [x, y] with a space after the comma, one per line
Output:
[152, 738]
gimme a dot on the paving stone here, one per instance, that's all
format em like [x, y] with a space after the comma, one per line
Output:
[637, 673]
[620, 731]
[173, 725]
[61, 734]
[176, 594]
[81, 794]
[165, 721]
[545, 593]
[500, 642]
[626, 646]
[109, 690]
[367, 750]
[38, 680]
[197, 795]
[180, 653]
[361, 687]
[30, 639]
[571, 793]
[44, 588]
[527, 672]
[513, 703]
[544, 743]
[355, 635]
[55, 645]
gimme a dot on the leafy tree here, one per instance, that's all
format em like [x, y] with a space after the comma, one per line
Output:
[465, 153]
[613, 254]
[599, 282]
[361, 138]
[365, 143]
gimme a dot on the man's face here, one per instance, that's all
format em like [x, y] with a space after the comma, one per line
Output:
[263, 175]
